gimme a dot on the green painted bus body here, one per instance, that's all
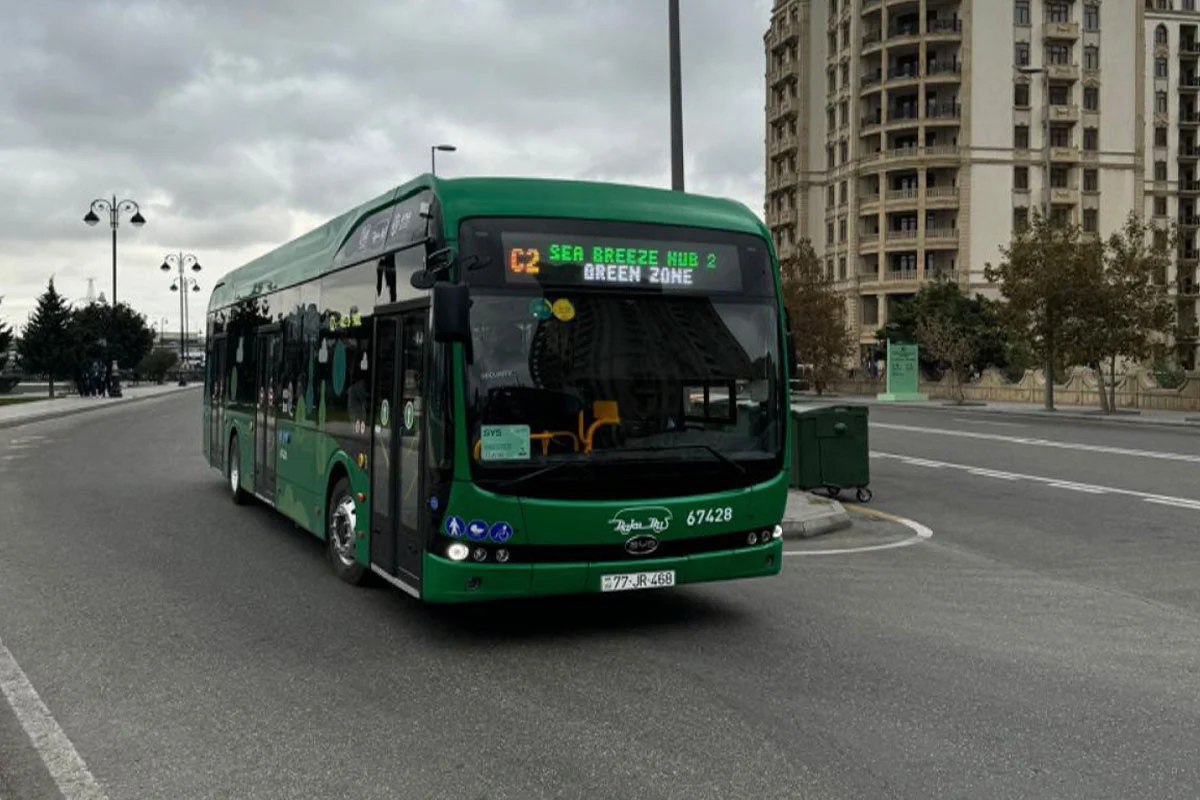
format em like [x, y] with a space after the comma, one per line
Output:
[314, 457]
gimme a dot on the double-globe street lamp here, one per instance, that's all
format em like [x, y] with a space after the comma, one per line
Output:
[182, 262]
[114, 208]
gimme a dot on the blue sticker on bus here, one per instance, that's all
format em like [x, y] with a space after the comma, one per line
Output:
[477, 531]
[454, 526]
[433, 502]
[500, 532]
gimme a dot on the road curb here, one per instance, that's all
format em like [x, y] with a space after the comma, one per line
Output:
[807, 529]
[16, 423]
[1188, 423]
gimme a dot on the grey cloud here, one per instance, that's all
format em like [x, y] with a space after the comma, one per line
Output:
[227, 119]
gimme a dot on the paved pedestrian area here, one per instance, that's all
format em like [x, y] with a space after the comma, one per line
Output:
[12, 414]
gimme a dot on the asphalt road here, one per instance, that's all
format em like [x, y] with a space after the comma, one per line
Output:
[1043, 643]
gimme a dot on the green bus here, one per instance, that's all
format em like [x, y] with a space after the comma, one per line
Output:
[488, 388]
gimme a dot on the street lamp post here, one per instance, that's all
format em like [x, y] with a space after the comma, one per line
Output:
[114, 208]
[1048, 366]
[182, 262]
[433, 151]
[676, 96]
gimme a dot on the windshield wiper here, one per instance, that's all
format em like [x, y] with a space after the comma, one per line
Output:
[668, 447]
[537, 473]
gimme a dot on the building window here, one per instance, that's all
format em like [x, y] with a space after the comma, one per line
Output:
[1091, 98]
[829, 238]
[1022, 54]
[1160, 68]
[1021, 95]
[1091, 18]
[1059, 95]
[1091, 220]
[1160, 102]
[1160, 170]
[845, 151]
[1021, 137]
[842, 268]
[845, 75]
[1160, 136]
[842, 193]
[1189, 5]
[1060, 216]
[1164, 5]
[1020, 177]
[829, 196]
[830, 119]
[842, 230]
[1058, 54]
[1060, 137]
[1091, 180]
[1020, 218]
[1059, 12]
[845, 113]
[1091, 139]
[1059, 177]
[1160, 34]
[1021, 12]
[1091, 57]
[1160, 206]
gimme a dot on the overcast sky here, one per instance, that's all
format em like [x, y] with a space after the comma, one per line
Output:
[239, 124]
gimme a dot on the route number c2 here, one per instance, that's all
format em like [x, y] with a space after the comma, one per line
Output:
[701, 516]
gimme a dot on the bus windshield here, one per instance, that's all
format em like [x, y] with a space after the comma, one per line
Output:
[644, 362]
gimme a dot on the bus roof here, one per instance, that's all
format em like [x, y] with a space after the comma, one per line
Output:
[312, 254]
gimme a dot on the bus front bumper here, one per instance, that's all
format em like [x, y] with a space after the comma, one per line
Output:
[445, 581]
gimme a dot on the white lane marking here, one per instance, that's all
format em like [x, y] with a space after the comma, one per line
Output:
[989, 422]
[920, 534]
[1059, 483]
[991, 473]
[61, 758]
[25, 439]
[996, 437]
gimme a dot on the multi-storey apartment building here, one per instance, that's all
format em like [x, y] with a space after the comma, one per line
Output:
[907, 138]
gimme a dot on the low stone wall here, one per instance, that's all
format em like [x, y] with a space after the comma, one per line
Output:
[1137, 388]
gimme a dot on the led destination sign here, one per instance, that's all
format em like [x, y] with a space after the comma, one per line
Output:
[609, 262]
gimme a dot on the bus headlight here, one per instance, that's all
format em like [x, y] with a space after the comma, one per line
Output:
[458, 551]
[777, 533]
[752, 538]
[479, 554]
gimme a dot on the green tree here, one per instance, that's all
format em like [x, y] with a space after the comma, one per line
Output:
[126, 340]
[1045, 271]
[6, 338]
[1127, 305]
[47, 344]
[942, 308]
[818, 316]
[157, 363]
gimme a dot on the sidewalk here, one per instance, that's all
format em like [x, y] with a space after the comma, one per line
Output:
[808, 515]
[13, 414]
[1179, 419]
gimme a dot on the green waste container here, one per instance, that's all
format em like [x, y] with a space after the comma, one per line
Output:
[830, 449]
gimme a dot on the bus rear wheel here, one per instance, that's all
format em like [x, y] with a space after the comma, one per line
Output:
[341, 534]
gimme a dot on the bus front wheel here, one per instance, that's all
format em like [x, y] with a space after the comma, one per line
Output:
[235, 472]
[341, 534]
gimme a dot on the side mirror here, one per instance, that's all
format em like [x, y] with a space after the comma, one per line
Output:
[451, 313]
[423, 280]
[436, 261]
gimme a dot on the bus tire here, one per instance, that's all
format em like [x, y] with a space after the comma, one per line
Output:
[233, 472]
[341, 534]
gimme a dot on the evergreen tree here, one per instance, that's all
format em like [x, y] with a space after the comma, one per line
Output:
[48, 344]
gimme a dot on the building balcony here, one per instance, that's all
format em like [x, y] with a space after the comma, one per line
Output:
[1189, 84]
[785, 107]
[944, 28]
[901, 75]
[1066, 154]
[1188, 331]
[909, 235]
[948, 112]
[871, 5]
[1187, 287]
[1188, 154]
[1189, 221]
[1062, 72]
[1188, 259]
[941, 235]
[1188, 49]
[872, 39]
[903, 34]
[941, 195]
[783, 144]
[781, 182]
[1064, 113]
[1189, 120]
[868, 202]
[944, 70]
[1062, 31]
[900, 275]
[786, 31]
[1064, 195]
[902, 196]
[1188, 187]
[868, 241]
[871, 79]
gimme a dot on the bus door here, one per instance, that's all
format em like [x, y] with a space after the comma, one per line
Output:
[216, 419]
[397, 541]
[267, 354]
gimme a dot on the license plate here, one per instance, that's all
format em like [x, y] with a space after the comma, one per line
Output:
[637, 580]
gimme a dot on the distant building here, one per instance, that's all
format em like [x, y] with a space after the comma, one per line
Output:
[906, 143]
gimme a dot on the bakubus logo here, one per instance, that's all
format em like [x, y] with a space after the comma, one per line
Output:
[643, 519]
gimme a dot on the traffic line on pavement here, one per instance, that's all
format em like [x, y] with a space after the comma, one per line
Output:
[1056, 483]
[920, 534]
[989, 422]
[61, 758]
[997, 437]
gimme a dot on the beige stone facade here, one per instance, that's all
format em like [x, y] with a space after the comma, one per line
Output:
[906, 138]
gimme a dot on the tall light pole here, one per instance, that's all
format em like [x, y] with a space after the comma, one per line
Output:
[433, 151]
[1048, 366]
[114, 208]
[182, 262]
[676, 97]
